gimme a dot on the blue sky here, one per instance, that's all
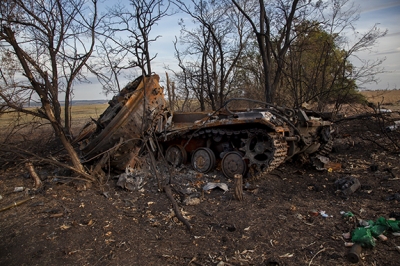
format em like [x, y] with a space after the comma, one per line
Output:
[385, 13]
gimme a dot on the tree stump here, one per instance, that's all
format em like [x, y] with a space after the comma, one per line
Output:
[238, 187]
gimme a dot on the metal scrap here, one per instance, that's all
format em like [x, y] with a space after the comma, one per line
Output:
[210, 186]
[131, 180]
[347, 185]
[123, 123]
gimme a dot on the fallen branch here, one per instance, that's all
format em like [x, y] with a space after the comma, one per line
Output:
[98, 171]
[178, 213]
[153, 163]
[33, 174]
[17, 203]
[50, 161]
[69, 177]
[361, 116]
[55, 162]
[167, 189]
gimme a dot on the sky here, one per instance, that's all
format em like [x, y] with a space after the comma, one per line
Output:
[386, 14]
[383, 13]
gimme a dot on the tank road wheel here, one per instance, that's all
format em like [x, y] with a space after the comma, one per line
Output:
[203, 160]
[232, 164]
[176, 155]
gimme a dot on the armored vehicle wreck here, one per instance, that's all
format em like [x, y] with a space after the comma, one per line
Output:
[237, 141]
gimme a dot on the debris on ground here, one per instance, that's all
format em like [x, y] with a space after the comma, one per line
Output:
[131, 180]
[395, 215]
[347, 185]
[395, 196]
[19, 189]
[191, 201]
[367, 233]
[15, 204]
[211, 185]
[354, 255]
[324, 214]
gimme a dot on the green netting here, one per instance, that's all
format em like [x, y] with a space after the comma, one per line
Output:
[363, 236]
[394, 225]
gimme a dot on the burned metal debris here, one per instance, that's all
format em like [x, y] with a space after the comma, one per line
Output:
[131, 180]
[244, 141]
[347, 185]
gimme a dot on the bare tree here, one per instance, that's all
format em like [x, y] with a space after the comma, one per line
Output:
[10, 85]
[215, 46]
[182, 92]
[125, 41]
[51, 40]
[273, 48]
[280, 23]
[356, 71]
[106, 66]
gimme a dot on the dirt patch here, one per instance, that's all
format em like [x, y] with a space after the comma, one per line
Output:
[67, 223]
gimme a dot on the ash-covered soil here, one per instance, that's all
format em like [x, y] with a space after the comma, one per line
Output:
[278, 223]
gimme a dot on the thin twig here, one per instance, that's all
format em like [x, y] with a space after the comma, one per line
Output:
[322, 250]
[17, 203]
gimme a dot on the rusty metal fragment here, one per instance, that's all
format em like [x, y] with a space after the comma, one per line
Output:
[130, 115]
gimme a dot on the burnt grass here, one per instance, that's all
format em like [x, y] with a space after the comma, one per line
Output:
[69, 223]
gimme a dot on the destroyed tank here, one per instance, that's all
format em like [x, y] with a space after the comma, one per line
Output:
[250, 141]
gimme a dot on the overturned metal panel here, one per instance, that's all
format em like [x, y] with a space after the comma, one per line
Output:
[120, 129]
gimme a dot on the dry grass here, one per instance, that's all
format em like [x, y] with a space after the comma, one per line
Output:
[388, 97]
[79, 113]
[18, 125]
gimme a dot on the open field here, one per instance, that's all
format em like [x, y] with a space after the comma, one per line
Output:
[386, 98]
[80, 115]
[86, 111]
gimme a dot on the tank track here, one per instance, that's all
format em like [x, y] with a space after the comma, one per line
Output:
[326, 148]
[257, 170]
